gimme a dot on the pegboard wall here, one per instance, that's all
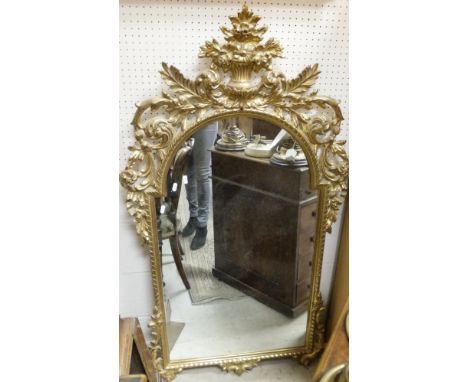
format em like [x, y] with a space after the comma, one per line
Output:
[172, 31]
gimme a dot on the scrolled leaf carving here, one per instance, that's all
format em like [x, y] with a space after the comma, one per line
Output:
[318, 334]
[158, 134]
[137, 207]
[140, 172]
[335, 167]
[302, 83]
[239, 367]
[155, 325]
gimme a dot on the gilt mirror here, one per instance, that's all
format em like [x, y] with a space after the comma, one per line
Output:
[233, 183]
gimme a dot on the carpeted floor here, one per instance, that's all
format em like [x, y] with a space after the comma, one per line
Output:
[198, 264]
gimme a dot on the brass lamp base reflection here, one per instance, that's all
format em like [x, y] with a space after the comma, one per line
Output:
[290, 154]
[229, 147]
[233, 139]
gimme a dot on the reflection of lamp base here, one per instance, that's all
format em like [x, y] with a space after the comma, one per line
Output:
[289, 154]
[233, 139]
[230, 146]
[297, 162]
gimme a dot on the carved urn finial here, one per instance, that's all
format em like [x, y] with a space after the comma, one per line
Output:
[243, 53]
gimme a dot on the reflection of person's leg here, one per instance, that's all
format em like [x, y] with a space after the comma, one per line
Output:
[192, 198]
[204, 140]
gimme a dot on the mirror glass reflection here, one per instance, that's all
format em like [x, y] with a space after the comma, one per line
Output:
[237, 234]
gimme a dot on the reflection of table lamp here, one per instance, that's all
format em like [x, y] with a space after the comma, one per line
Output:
[261, 148]
[233, 138]
[289, 153]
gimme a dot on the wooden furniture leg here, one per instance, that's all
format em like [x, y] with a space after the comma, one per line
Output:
[176, 254]
[181, 251]
[135, 362]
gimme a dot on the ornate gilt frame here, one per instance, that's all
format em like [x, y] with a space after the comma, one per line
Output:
[240, 81]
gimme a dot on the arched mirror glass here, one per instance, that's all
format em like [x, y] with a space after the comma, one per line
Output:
[237, 229]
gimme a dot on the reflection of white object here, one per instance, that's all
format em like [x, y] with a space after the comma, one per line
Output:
[264, 149]
[259, 150]
[290, 155]
[279, 137]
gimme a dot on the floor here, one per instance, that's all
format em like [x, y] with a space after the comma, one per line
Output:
[203, 334]
[249, 324]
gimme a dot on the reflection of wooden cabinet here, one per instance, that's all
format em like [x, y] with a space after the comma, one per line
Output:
[265, 128]
[264, 226]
